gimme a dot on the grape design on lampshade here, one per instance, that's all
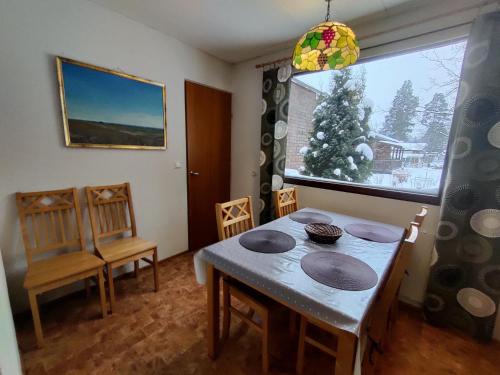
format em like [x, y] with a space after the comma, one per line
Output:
[328, 36]
[329, 45]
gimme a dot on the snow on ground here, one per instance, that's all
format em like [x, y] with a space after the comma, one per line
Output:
[421, 180]
[425, 180]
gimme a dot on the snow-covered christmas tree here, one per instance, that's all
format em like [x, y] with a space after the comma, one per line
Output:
[337, 147]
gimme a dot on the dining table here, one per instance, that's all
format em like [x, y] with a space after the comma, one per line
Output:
[281, 277]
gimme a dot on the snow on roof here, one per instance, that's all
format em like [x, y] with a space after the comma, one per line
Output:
[382, 137]
[408, 146]
[413, 146]
[413, 155]
[392, 143]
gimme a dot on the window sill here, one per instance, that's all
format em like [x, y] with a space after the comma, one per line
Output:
[365, 190]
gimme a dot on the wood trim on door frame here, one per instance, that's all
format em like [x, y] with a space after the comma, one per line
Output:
[203, 85]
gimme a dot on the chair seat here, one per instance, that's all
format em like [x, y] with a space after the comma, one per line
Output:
[124, 248]
[257, 297]
[60, 267]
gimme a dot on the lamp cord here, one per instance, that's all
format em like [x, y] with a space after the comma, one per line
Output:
[327, 18]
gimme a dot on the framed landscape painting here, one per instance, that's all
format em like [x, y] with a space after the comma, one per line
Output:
[109, 109]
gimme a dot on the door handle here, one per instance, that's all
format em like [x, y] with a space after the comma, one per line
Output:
[194, 173]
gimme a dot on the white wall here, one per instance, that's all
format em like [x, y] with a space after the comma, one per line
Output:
[10, 363]
[32, 152]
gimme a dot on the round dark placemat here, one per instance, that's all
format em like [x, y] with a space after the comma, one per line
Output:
[267, 241]
[371, 232]
[307, 217]
[339, 271]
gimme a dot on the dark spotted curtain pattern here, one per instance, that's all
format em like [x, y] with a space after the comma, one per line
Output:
[274, 128]
[464, 284]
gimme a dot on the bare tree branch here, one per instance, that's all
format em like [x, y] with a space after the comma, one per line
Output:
[449, 65]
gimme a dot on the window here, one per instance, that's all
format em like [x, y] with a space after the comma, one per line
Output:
[380, 127]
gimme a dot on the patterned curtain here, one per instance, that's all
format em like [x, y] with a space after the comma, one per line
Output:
[274, 128]
[464, 284]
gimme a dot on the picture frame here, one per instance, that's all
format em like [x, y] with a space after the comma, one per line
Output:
[105, 108]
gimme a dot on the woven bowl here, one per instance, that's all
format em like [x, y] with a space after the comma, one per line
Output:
[323, 233]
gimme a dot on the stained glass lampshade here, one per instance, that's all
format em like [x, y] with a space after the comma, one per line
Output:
[329, 45]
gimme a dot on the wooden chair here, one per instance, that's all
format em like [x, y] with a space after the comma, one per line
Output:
[285, 201]
[112, 215]
[394, 311]
[51, 222]
[233, 218]
[419, 218]
[380, 313]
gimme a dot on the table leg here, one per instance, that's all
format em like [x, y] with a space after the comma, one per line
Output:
[213, 285]
[346, 353]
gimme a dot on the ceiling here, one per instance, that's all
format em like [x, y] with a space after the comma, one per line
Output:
[238, 30]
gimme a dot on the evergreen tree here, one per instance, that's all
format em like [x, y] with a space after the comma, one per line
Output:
[336, 148]
[399, 121]
[367, 112]
[437, 120]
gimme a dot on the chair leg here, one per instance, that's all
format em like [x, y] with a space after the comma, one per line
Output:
[87, 287]
[102, 293]
[136, 268]
[155, 270]
[226, 308]
[302, 345]
[292, 323]
[391, 321]
[36, 318]
[111, 288]
[265, 342]
[394, 312]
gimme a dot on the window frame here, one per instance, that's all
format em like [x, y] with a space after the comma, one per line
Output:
[363, 189]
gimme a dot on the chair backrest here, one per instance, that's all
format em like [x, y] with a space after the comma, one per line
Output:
[419, 218]
[50, 220]
[234, 217]
[380, 312]
[111, 211]
[285, 201]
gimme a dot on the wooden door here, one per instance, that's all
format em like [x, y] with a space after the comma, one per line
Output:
[208, 136]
